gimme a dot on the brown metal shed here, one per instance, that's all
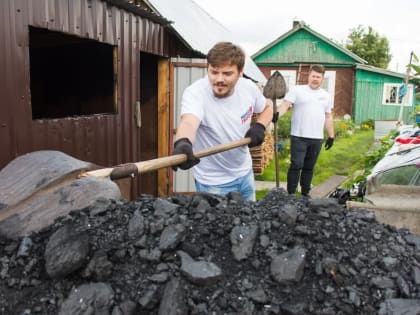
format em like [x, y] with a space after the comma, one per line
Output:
[89, 78]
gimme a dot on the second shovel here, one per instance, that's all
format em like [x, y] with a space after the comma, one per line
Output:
[275, 89]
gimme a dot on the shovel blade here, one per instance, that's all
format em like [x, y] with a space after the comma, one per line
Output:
[275, 87]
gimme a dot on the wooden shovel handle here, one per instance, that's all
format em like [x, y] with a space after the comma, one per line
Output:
[131, 169]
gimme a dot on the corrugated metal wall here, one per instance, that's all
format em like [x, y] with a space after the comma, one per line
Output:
[186, 71]
[103, 139]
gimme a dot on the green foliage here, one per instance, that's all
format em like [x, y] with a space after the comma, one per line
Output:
[283, 125]
[354, 150]
[374, 156]
[344, 158]
[412, 115]
[343, 127]
[370, 46]
[368, 124]
[414, 64]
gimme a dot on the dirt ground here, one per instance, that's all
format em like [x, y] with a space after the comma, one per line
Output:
[203, 254]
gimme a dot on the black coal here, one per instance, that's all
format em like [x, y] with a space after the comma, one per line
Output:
[203, 254]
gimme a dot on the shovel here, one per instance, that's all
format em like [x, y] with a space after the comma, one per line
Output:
[274, 89]
[38, 187]
[131, 169]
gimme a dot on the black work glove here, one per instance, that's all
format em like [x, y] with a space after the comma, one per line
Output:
[184, 146]
[329, 143]
[256, 133]
[275, 117]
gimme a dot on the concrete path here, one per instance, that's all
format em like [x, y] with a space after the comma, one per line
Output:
[320, 191]
[325, 188]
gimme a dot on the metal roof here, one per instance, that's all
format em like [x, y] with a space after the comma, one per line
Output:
[199, 30]
[131, 7]
[380, 71]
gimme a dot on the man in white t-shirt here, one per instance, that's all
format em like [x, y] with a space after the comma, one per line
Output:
[311, 112]
[218, 109]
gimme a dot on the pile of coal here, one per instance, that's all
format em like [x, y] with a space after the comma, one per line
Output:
[204, 254]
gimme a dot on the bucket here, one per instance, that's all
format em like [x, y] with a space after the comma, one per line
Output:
[279, 147]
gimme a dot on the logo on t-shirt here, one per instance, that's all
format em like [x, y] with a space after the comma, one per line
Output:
[247, 115]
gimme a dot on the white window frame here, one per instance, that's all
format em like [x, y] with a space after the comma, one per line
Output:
[328, 83]
[288, 75]
[394, 88]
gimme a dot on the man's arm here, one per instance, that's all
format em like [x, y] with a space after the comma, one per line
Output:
[329, 124]
[266, 115]
[188, 127]
[283, 107]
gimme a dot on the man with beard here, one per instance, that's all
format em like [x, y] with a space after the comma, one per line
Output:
[218, 109]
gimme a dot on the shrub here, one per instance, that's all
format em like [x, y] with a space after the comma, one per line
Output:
[343, 127]
[283, 125]
[367, 124]
[372, 157]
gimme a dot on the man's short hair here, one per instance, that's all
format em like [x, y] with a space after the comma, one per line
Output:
[226, 53]
[317, 68]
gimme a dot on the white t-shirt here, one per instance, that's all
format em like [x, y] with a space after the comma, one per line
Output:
[222, 120]
[308, 111]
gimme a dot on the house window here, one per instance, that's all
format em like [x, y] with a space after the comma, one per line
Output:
[70, 76]
[393, 94]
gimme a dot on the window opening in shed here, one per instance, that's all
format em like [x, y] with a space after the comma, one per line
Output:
[70, 76]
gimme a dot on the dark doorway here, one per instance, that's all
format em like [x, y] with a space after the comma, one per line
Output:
[149, 119]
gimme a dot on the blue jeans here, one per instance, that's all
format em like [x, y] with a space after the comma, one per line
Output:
[244, 185]
[303, 156]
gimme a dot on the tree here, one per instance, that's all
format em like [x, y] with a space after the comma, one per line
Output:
[370, 46]
[414, 70]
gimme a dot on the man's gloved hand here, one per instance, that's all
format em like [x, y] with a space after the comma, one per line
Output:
[256, 133]
[184, 146]
[275, 117]
[329, 143]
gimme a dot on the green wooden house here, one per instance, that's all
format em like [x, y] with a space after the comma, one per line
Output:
[359, 90]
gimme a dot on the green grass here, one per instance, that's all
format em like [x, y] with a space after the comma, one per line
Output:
[344, 158]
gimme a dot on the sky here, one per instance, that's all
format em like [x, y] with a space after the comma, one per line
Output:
[255, 24]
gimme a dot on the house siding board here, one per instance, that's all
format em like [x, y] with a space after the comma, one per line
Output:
[368, 97]
[105, 140]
